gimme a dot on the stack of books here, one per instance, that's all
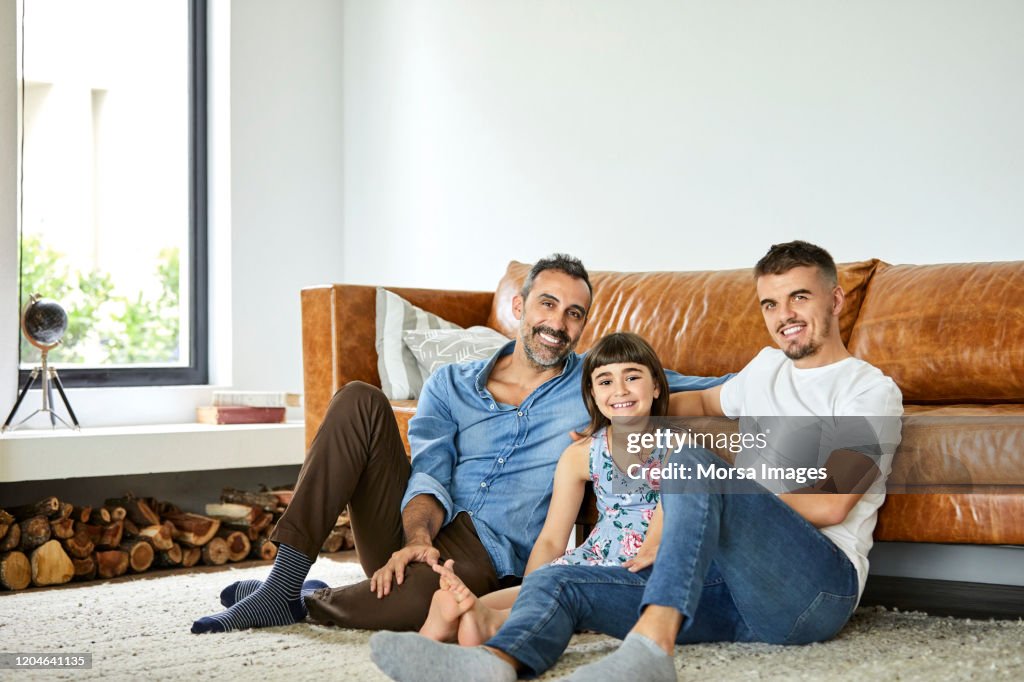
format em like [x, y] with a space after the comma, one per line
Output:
[248, 407]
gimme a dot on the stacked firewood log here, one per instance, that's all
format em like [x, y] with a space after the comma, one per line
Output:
[52, 542]
[238, 502]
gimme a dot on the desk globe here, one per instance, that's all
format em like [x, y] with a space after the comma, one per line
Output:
[43, 322]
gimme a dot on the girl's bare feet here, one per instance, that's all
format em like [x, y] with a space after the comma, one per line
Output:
[480, 623]
[447, 605]
[442, 621]
[457, 614]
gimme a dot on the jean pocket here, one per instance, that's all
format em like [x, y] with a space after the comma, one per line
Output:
[823, 619]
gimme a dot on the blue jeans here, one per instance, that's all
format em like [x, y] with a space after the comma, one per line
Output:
[739, 567]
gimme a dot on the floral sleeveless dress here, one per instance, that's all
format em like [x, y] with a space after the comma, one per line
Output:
[625, 507]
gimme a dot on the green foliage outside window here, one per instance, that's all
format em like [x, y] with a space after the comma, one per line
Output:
[104, 327]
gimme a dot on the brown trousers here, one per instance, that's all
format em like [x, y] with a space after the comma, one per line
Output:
[357, 460]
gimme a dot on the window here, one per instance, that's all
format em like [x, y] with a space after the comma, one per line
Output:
[113, 186]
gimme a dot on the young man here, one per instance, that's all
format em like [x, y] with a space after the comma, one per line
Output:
[735, 563]
[485, 441]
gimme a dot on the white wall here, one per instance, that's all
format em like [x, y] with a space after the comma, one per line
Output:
[677, 135]
[286, 178]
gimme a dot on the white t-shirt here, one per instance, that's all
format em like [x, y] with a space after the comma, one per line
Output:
[772, 386]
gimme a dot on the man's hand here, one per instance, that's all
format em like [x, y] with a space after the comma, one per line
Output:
[421, 520]
[380, 581]
[645, 556]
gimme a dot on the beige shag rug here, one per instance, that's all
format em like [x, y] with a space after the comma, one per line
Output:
[139, 629]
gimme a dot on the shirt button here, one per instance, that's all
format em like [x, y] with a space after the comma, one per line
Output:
[501, 460]
[483, 484]
[492, 406]
[470, 513]
[520, 414]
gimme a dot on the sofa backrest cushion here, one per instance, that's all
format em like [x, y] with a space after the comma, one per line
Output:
[951, 333]
[701, 323]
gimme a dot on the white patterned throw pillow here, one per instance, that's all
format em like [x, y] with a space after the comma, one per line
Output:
[435, 348]
[400, 376]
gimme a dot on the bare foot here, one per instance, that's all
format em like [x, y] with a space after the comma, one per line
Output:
[447, 605]
[480, 623]
[442, 621]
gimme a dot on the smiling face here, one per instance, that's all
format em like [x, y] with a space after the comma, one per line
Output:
[552, 317]
[623, 389]
[801, 310]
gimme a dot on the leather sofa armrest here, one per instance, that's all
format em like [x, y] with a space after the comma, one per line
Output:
[339, 330]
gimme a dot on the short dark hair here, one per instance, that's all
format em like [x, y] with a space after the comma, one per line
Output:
[612, 349]
[782, 258]
[562, 262]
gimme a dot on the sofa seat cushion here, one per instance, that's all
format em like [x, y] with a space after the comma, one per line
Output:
[946, 333]
[961, 445]
[701, 323]
[984, 515]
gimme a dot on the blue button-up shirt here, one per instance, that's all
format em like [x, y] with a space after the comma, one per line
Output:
[495, 461]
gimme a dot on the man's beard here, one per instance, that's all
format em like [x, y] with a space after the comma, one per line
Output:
[541, 355]
[812, 346]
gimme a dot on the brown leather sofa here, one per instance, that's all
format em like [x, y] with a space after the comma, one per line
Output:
[951, 336]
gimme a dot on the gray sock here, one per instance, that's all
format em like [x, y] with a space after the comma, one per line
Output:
[410, 657]
[637, 659]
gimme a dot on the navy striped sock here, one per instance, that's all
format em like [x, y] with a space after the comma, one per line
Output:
[237, 591]
[276, 602]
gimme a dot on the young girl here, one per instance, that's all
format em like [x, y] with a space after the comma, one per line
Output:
[622, 379]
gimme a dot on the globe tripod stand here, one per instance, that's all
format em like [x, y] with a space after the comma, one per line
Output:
[50, 379]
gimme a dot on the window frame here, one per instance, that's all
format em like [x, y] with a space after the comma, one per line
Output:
[198, 370]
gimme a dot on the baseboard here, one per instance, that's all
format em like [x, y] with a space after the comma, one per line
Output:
[945, 597]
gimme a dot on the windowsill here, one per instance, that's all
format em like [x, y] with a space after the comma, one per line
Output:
[32, 455]
[126, 406]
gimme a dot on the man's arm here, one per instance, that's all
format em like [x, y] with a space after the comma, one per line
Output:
[866, 435]
[827, 502]
[432, 432]
[683, 382]
[422, 520]
[708, 397]
[705, 403]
